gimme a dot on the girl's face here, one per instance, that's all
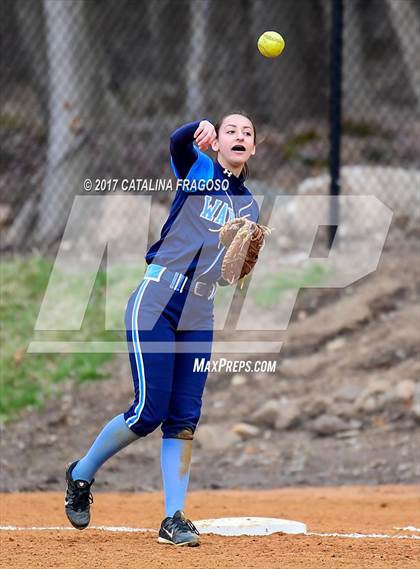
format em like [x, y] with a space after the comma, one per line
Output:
[236, 140]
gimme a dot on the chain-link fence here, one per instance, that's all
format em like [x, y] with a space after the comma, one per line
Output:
[92, 89]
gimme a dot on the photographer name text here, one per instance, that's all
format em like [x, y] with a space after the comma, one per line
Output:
[126, 185]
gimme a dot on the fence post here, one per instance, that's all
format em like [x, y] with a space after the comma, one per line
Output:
[336, 57]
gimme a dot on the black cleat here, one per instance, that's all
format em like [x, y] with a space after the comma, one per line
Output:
[179, 531]
[78, 499]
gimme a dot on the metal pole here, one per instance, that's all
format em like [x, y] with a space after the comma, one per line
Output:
[336, 58]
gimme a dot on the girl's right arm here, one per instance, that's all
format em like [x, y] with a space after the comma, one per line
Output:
[181, 146]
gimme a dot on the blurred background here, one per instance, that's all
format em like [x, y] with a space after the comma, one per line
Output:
[93, 89]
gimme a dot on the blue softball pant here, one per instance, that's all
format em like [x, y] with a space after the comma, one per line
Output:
[168, 391]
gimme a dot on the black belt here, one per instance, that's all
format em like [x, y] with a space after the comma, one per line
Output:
[178, 281]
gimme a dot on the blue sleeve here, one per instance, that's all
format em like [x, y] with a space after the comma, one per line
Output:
[182, 149]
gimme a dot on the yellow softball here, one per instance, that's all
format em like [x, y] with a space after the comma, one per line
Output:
[270, 44]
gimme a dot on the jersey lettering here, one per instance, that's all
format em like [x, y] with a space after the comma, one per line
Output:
[210, 210]
[221, 216]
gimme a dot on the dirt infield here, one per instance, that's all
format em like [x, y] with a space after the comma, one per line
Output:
[382, 510]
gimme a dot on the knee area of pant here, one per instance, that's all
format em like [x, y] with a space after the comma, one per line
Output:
[144, 429]
[186, 434]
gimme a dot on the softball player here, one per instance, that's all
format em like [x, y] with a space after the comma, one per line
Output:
[169, 317]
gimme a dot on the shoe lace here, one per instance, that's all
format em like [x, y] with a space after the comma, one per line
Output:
[81, 497]
[185, 524]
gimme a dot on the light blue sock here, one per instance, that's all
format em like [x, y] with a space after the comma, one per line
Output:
[175, 463]
[113, 437]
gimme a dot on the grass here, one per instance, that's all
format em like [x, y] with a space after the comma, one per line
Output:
[12, 122]
[28, 380]
[362, 129]
[297, 141]
[270, 292]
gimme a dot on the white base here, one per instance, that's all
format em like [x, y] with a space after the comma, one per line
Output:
[249, 526]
